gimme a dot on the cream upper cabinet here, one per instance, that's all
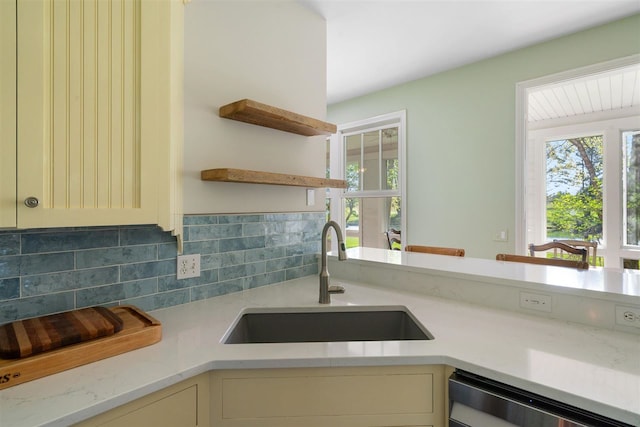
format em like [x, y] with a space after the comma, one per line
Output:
[7, 114]
[99, 112]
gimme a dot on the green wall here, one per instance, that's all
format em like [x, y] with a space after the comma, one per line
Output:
[461, 135]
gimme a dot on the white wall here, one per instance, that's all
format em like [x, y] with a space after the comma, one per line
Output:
[273, 52]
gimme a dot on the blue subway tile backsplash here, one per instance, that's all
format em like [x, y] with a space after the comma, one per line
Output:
[9, 244]
[56, 242]
[9, 288]
[40, 284]
[52, 270]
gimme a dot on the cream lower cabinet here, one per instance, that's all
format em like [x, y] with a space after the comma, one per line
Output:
[329, 397]
[96, 123]
[185, 404]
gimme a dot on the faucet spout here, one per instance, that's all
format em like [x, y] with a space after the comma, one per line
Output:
[325, 289]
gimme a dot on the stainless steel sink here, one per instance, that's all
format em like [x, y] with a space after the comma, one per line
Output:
[325, 324]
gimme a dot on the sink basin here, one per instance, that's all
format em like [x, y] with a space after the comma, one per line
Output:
[319, 324]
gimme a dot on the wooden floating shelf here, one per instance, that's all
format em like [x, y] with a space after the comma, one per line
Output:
[256, 177]
[253, 112]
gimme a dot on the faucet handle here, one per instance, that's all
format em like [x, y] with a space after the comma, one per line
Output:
[336, 289]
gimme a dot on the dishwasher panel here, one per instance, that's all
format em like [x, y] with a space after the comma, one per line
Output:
[480, 402]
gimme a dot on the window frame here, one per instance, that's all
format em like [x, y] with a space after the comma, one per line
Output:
[337, 161]
[611, 247]
[603, 124]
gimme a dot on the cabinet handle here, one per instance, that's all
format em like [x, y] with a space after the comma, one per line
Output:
[31, 202]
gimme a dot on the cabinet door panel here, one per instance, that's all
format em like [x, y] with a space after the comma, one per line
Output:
[179, 409]
[327, 396]
[80, 133]
[185, 404]
[336, 397]
[8, 114]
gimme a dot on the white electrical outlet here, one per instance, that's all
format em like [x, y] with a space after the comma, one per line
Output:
[501, 236]
[540, 302]
[188, 266]
[628, 316]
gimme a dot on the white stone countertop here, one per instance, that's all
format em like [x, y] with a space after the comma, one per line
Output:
[622, 285]
[595, 369]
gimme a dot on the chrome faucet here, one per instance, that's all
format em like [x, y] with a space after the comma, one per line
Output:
[325, 289]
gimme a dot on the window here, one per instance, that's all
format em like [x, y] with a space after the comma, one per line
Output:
[577, 160]
[584, 184]
[369, 155]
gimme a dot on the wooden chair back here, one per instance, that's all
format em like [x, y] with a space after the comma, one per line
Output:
[581, 252]
[435, 250]
[393, 239]
[580, 265]
[590, 246]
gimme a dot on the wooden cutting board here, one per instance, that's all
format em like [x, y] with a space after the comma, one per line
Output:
[28, 337]
[139, 329]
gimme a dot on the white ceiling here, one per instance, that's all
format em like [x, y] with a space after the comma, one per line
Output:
[375, 44]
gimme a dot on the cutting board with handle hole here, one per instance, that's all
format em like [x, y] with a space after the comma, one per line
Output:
[139, 329]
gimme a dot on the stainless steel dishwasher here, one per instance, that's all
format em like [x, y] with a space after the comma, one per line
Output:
[475, 401]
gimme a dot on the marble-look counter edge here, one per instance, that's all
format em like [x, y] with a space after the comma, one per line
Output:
[621, 286]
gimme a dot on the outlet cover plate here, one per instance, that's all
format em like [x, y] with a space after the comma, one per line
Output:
[188, 266]
[501, 236]
[311, 197]
[628, 316]
[539, 302]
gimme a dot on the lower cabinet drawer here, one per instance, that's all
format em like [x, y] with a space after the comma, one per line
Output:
[372, 396]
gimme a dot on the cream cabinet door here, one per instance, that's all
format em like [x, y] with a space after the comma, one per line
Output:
[8, 114]
[329, 397]
[94, 112]
[182, 405]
